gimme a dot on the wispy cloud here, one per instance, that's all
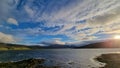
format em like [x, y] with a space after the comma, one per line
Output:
[78, 19]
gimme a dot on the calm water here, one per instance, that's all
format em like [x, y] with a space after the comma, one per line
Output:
[80, 58]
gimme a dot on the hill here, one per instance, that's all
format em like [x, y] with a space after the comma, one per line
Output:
[4, 46]
[103, 44]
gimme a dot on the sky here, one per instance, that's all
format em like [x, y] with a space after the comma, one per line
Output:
[58, 21]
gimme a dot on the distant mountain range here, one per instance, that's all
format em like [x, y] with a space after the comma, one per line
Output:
[4, 46]
[103, 44]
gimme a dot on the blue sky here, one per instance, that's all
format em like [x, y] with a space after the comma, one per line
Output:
[58, 21]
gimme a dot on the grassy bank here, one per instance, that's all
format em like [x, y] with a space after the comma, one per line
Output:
[13, 47]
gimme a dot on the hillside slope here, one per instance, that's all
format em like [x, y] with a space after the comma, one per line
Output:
[104, 44]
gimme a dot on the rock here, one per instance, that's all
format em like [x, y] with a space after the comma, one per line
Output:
[29, 63]
[112, 60]
[70, 62]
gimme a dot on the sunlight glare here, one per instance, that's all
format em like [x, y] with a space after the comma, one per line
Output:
[117, 37]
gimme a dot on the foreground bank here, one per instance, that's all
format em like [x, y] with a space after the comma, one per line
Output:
[29, 63]
[111, 60]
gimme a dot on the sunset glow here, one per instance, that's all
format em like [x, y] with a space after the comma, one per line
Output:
[117, 37]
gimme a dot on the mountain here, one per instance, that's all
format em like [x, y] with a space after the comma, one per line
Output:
[103, 44]
[4, 46]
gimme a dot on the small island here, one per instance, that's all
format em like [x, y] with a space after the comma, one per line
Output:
[111, 60]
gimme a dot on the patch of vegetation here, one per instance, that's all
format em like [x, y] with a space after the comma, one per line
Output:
[4, 46]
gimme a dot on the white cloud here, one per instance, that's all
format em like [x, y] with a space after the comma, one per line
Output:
[29, 11]
[12, 21]
[98, 15]
[53, 42]
[106, 18]
[6, 8]
[58, 41]
[6, 38]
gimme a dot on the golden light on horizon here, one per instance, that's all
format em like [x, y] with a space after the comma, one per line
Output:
[117, 37]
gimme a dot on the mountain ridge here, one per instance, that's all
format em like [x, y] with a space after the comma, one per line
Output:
[100, 44]
[103, 44]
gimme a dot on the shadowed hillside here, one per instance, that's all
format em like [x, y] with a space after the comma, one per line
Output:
[4, 46]
[104, 44]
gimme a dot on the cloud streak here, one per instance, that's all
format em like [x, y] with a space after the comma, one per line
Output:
[78, 19]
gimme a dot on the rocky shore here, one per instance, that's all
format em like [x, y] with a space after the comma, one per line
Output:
[111, 60]
[29, 63]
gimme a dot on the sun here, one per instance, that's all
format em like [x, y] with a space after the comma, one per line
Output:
[117, 37]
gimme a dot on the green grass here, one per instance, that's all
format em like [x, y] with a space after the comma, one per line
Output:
[13, 47]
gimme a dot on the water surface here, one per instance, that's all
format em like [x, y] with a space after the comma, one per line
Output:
[66, 58]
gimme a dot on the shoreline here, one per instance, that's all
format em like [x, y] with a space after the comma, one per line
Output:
[80, 59]
[111, 60]
[27, 63]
